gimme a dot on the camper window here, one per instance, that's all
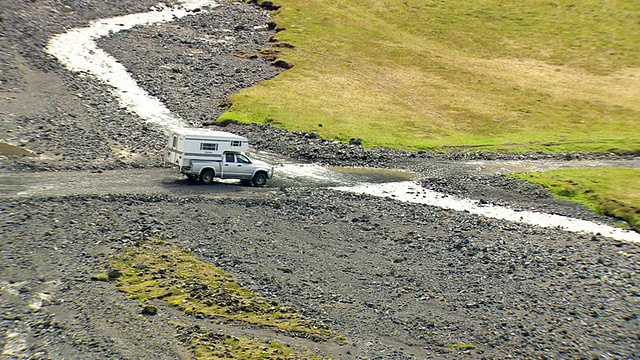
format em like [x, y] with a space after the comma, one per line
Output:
[236, 143]
[175, 142]
[208, 146]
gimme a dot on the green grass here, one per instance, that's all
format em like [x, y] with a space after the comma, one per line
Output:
[610, 191]
[489, 75]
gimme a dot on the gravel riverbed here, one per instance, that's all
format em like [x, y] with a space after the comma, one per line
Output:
[398, 280]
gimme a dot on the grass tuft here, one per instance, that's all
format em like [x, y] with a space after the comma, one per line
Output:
[211, 345]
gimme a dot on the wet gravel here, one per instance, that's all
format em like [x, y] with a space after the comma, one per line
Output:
[398, 280]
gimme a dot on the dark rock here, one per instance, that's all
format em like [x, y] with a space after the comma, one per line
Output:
[279, 63]
[114, 274]
[149, 310]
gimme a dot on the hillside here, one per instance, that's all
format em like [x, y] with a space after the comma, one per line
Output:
[488, 75]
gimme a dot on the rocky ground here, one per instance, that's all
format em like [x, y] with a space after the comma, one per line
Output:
[396, 280]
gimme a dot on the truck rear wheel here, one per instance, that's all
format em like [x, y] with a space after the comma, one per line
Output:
[206, 177]
[260, 179]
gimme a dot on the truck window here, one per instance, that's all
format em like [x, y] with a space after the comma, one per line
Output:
[229, 158]
[236, 143]
[208, 146]
[242, 159]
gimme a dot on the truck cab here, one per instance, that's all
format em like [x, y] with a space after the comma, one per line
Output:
[237, 166]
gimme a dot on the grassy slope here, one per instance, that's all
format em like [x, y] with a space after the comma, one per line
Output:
[609, 191]
[492, 74]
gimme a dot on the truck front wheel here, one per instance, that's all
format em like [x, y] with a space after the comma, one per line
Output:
[260, 179]
[206, 177]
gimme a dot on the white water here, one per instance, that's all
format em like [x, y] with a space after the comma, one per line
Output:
[311, 172]
[77, 50]
[412, 192]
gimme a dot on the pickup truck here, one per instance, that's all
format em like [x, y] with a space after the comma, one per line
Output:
[203, 155]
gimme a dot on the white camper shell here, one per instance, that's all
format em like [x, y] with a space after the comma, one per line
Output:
[203, 155]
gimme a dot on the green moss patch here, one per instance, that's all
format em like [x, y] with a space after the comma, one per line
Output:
[609, 191]
[206, 344]
[456, 347]
[157, 270]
